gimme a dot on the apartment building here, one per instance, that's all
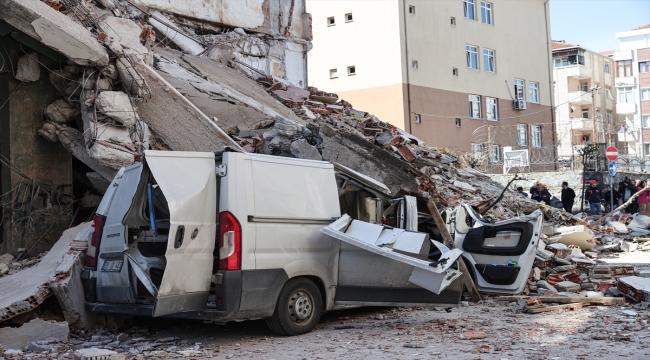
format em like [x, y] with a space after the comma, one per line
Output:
[468, 75]
[632, 83]
[585, 110]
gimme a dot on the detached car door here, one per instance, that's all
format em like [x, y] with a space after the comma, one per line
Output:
[188, 181]
[501, 254]
[389, 267]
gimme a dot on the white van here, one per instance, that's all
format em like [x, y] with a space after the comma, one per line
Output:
[230, 236]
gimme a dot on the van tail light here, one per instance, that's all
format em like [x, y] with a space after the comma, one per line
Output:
[93, 247]
[229, 242]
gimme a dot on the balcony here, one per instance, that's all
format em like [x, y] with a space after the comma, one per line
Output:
[608, 77]
[609, 104]
[582, 124]
[630, 135]
[622, 55]
[580, 72]
[580, 97]
[625, 81]
[625, 108]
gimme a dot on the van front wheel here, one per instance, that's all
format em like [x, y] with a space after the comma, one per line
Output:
[298, 308]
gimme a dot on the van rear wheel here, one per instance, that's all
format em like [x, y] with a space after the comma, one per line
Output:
[298, 308]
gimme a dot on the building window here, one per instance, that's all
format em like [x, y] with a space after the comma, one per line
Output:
[495, 153]
[457, 122]
[488, 60]
[414, 64]
[577, 57]
[644, 67]
[475, 106]
[486, 13]
[606, 67]
[522, 134]
[624, 68]
[625, 95]
[491, 108]
[584, 87]
[453, 21]
[537, 136]
[585, 113]
[352, 70]
[533, 92]
[333, 74]
[454, 71]
[477, 149]
[645, 94]
[647, 149]
[609, 117]
[412, 9]
[608, 93]
[471, 52]
[469, 9]
[519, 89]
[645, 121]
[348, 17]
[331, 21]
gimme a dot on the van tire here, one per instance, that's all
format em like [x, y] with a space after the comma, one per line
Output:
[299, 294]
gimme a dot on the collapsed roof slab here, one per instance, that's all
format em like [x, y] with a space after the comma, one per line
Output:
[55, 30]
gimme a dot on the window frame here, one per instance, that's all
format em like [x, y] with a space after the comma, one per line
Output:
[606, 68]
[474, 103]
[491, 108]
[583, 112]
[333, 22]
[536, 131]
[354, 72]
[477, 148]
[645, 124]
[488, 9]
[412, 9]
[453, 21]
[625, 65]
[335, 72]
[647, 149]
[493, 158]
[521, 87]
[454, 71]
[645, 91]
[466, 8]
[468, 55]
[627, 92]
[645, 65]
[486, 58]
[522, 134]
[534, 89]
[415, 64]
[608, 93]
[350, 19]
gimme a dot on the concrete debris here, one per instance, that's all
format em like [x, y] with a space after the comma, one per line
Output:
[126, 33]
[31, 335]
[97, 354]
[61, 111]
[28, 68]
[303, 150]
[116, 107]
[635, 288]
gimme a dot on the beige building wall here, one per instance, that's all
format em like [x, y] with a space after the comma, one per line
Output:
[370, 43]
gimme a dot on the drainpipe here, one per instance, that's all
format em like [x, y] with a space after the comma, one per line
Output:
[408, 68]
[550, 84]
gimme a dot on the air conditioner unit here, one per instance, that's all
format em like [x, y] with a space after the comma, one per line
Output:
[519, 104]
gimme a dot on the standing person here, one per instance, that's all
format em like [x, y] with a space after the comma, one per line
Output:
[642, 200]
[594, 196]
[522, 192]
[544, 194]
[633, 189]
[608, 198]
[568, 197]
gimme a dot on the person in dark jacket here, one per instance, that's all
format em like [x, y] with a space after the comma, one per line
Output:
[594, 196]
[630, 189]
[544, 194]
[608, 198]
[568, 196]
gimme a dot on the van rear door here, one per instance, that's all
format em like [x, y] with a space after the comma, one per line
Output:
[188, 181]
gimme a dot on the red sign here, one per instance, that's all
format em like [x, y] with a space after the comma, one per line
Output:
[611, 153]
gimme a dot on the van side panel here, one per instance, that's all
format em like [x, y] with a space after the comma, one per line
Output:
[292, 199]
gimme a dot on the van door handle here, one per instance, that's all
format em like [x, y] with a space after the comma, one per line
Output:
[180, 234]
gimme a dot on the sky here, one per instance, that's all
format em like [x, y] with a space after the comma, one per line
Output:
[593, 24]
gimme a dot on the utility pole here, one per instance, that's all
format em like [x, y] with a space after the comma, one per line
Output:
[594, 89]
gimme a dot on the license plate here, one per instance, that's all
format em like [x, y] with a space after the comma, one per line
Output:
[112, 265]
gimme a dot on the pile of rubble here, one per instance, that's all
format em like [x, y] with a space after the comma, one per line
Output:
[10, 266]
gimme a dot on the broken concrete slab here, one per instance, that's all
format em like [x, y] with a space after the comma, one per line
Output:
[181, 40]
[27, 289]
[634, 287]
[28, 68]
[97, 354]
[127, 33]
[55, 30]
[639, 222]
[61, 111]
[303, 150]
[115, 106]
[35, 330]
[107, 155]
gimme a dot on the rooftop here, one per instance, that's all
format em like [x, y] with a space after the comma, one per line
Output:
[561, 44]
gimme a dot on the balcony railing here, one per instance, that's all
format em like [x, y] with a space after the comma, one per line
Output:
[579, 72]
[626, 108]
[580, 97]
[582, 124]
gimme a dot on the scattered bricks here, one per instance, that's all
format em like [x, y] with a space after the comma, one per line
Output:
[568, 286]
[473, 335]
[406, 153]
[394, 142]
[591, 254]
[542, 263]
[560, 250]
[573, 277]
[561, 261]
[622, 270]
[554, 279]
[603, 285]
[601, 272]
[588, 286]
[582, 264]
[635, 288]
[564, 268]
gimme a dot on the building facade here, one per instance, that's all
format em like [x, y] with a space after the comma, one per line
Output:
[633, 90]
[585, 100]
[468, 75]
